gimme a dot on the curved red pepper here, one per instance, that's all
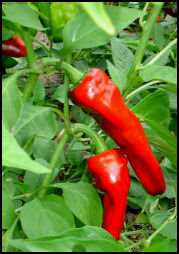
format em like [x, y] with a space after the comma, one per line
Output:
[14, 47]
[112, 177]
[100, 97]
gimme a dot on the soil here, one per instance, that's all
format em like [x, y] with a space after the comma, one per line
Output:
[47, 79]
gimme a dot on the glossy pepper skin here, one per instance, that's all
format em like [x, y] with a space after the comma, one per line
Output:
[14, 47]
[98, 96]
[110, 171]
[61, 13]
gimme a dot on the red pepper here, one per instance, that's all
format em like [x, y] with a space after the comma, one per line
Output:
[112, 177]
[99, 97]
[14, 47]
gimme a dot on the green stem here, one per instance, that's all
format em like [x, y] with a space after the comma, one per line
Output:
[51, 47]
[66, 100]
[136, 232]
[58, 111]
[141, 88]
[130, 225]
[147, 29]
[146, 203]
[30, 85]
[175, 31]
[169, 220]
[100, 146]
[41, 44]
[143, 14]
[160, 54]
[125, 239]
[31, 60]
[53, 162]
[135, 245]
[72, 72]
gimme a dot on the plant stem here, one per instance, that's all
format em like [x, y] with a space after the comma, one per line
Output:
[160, 54]
[31, 60]
[100, 146]
[143, 14]
[41, 44]
[147, 29]
[66, 100]
[148, 241]
[30, 85]
[135, 245]
[130, 225]
[72, 72]
[53, 162]
[58, 111]
[51, 46]
[136, 232]
[124, 238]
[141, 88]
[146, 203]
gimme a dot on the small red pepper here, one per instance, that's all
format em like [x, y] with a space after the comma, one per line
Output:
[14, 47]
[98, 96]
[112, 177]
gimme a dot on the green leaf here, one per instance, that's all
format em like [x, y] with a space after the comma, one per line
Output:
[35, 121]
[121, 17]
[39, 91]
[81, 32]
[80, 116]
[43, 148]
[141, 218]
[83, 200]
[8, 211]
[28, 17]
[7, 34]
[154, 106]
[156, 72]
[173, 100]
[8, 184]
[136, 189]
[122, 56]
[97, 12]
[50, 217]
[8, 62]
[172, 246]
[8, 235]
[158, 35]
[158, 244]
[169, 87]
[158, 218]
[11, 102]
[88, 238]
[14, 156]
[75, 152]
[59, 95]
[162, 60]
[166, 142]
[33, 180]
[118, 76]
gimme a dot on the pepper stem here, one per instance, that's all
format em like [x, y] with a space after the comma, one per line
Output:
[99, 142]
